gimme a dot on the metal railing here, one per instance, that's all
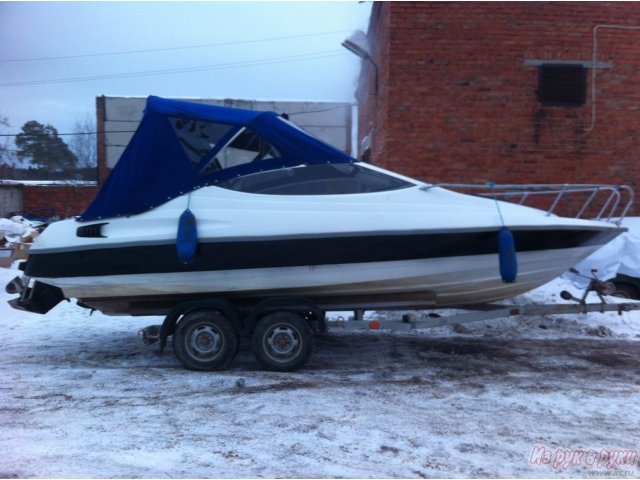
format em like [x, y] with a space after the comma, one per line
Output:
[612, 202]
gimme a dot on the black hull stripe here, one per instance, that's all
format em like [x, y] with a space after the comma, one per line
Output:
[300, 252]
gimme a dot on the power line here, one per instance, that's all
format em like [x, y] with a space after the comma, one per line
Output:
[65, 134]
[300, 112]
[168, 49]
[249, 63]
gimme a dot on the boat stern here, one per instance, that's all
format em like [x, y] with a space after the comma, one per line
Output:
[34, 296]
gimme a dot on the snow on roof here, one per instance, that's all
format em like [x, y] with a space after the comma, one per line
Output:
[44, 183]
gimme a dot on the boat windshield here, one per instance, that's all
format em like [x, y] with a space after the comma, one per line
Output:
[324, 179]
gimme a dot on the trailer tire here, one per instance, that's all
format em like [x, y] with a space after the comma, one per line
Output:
[282, 341]
[204, 340]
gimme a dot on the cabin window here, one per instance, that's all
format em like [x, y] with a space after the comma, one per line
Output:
[198, 138]
[244, 147]
[324, 179]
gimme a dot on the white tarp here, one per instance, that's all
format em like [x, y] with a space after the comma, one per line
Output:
[15, 228]
[622, 255]
[12, 227]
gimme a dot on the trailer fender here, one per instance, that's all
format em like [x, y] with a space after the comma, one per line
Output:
[227, 308]
[313, 314]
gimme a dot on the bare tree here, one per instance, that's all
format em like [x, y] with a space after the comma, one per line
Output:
[7, 163]
[4, 141]
[84, 143]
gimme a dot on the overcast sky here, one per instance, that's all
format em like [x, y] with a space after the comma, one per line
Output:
[53, 52]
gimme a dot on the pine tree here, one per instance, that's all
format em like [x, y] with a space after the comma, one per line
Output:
[43, 148]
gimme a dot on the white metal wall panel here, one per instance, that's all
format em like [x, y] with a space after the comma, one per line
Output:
[329, 121]
[11, 199]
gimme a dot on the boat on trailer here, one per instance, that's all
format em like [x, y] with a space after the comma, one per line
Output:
[246, 210]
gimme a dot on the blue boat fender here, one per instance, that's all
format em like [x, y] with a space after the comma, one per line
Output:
[187, 238]
[507, 254]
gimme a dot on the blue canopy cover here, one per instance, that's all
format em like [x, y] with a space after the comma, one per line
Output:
[182, 146]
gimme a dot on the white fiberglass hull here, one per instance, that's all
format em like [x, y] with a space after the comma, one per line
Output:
[444, 282]
[412, 246]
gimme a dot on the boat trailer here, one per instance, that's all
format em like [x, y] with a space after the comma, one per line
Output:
[479, 313]
[472, 313]
[285, 335]
[476, 313]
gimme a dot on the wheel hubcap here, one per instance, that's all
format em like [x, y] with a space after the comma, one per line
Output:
[205, 341]
[283, 341]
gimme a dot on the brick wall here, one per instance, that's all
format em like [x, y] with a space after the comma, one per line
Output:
[456, 103]
[103, 170]
[63, 200]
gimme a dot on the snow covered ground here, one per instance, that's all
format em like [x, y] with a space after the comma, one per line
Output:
[81, 396]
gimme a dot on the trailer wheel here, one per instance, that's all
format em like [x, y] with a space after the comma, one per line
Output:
[282, 341]
[204, 340]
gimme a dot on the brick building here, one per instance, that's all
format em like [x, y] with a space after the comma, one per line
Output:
[476, 92]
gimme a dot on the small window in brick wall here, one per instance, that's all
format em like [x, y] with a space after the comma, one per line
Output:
[563, 85]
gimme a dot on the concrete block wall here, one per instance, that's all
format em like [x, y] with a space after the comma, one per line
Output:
[10, 199]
